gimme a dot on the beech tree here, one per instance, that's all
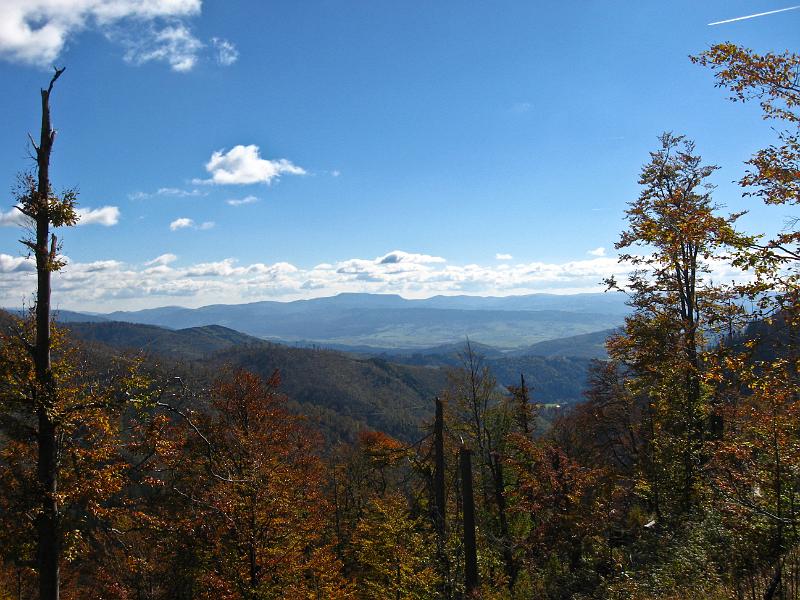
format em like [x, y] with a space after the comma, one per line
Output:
[758, 486]
[674, 226]
[248, 483]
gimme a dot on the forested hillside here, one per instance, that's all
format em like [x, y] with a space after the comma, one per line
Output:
[341, 392]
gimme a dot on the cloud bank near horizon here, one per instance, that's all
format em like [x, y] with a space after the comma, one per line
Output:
[107, 285]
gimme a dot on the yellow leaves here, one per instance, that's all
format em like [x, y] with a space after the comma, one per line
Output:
[394, 552]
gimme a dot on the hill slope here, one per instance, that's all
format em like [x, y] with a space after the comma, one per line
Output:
[190, 343]
[342, 391]
[588, 345]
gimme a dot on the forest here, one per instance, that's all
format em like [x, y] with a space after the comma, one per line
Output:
[678, 476]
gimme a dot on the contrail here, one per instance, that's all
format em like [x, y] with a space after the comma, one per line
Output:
[769, 12]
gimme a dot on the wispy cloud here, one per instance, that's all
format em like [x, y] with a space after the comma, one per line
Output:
[169, 191]
[172, 44]
[227, 54]
[37, 31]
[242, 201]
[753, 16]
[601, 251]
[502, 256]
[186, 223]
[162, 260]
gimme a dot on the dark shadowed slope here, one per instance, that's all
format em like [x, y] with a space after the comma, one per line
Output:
[190, 343]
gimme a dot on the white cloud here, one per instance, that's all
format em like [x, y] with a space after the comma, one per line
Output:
[172, 44]
[110, 284]
[105, 215]
[335, 173]
[501, 256]
[169, 191]
[601, 251]
[16, 264]
[181, 223]
[98, 266]
[13, 218]
[227, 54]
[162, 260]
[222, 268]
[186, 223]
[242, 201]
[244, 165]
[398, 256]
[37, 31]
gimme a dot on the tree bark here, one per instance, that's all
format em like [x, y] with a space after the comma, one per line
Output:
[500, 498]
[438, 472]
[48, 526]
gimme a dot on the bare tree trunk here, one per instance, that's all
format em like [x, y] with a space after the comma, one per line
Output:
[438, 472]
[471, 581]
[775, 582]
[505, 538]
[45, 247]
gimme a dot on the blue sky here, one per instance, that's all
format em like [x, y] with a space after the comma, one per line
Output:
[238, 151]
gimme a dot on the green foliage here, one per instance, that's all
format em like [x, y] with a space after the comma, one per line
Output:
[394, 552]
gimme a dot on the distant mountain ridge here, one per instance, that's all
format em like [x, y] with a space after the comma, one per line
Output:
[390, 321]
[343, 391]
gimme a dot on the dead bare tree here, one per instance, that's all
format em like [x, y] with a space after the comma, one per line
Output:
[37, 201]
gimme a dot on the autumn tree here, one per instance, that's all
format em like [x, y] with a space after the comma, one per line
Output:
[62, 453]
[484, 417]
[773, 81]
[394, 551]
[674, 225]
[89, 410]
[757, 485]
[37, 202]
[249, 481]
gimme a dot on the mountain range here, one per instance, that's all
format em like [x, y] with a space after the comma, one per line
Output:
[372, 322]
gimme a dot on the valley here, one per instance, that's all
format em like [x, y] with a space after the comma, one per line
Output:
[345, 387]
